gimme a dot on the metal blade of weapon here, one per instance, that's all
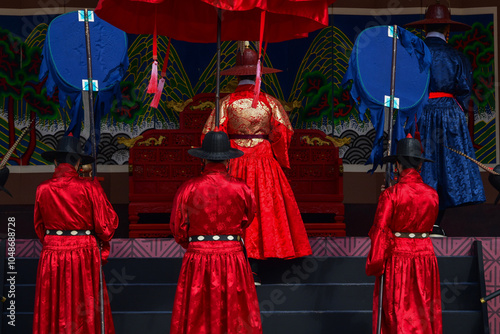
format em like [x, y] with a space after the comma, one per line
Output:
[7, 155]
[86, 115]
[486, 168]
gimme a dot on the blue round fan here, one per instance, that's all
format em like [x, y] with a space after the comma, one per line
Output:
[370, 68]
[65, 64]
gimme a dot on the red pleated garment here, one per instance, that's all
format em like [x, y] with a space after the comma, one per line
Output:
[67, 290]
[67, 284]
[277, 230]
[412, 292]
[216, 292]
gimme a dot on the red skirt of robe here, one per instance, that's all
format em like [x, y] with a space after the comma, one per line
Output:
[277, 230]
[215, 292]
[412, 293]
[67, 288]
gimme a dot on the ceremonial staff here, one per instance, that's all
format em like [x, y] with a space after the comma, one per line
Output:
[388, 168]
[4, 170]
[217, 73]
[94, 153]
[90, 90]
[490, 296]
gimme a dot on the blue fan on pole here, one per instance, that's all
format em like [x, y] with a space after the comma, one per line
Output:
[65, 66]
[370, 68]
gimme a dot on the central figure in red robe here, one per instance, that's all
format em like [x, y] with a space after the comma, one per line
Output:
[263, 134]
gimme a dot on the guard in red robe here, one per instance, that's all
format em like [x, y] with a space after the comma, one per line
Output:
[215, 292]
[263, 134]
[72, 215]
[402, 250]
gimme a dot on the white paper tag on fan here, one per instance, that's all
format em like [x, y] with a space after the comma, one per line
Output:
[387, 102]
[90, 15]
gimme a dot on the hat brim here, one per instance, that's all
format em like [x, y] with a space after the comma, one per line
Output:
[248, 70]
[50, 156]
[454, 25]
[232, 153]
[394, 158]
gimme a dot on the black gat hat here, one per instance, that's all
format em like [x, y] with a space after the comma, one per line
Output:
[68, 145]
[409, 149]
[216, 146]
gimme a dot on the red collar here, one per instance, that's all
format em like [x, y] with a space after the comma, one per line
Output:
[410, 175]
[215, 168]
[65, 170]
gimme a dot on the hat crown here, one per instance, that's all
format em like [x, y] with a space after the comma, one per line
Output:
[248, 58]
[246, 64]
[69, 144]
[215, 142]
[215, 146]
[409, 147]
[437, 11]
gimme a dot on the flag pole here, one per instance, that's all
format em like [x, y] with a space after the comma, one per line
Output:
[217, 79]
[91, 95]
[388, 165]
[94, 151]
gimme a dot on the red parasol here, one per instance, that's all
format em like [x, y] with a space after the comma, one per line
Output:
[196, 20]
[208, 21]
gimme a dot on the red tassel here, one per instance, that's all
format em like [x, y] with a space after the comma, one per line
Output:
[258, 81]
[153, 81]
[156, 98]
[165, 62]
[417, 134]
[258, 76]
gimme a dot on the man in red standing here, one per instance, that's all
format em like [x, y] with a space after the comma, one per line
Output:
[72, 218]
[402, 250]
[216, 292]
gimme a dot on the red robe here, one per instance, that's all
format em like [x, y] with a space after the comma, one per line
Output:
[278, 230]
[67, 289]
[412, 294]
[215, 292]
